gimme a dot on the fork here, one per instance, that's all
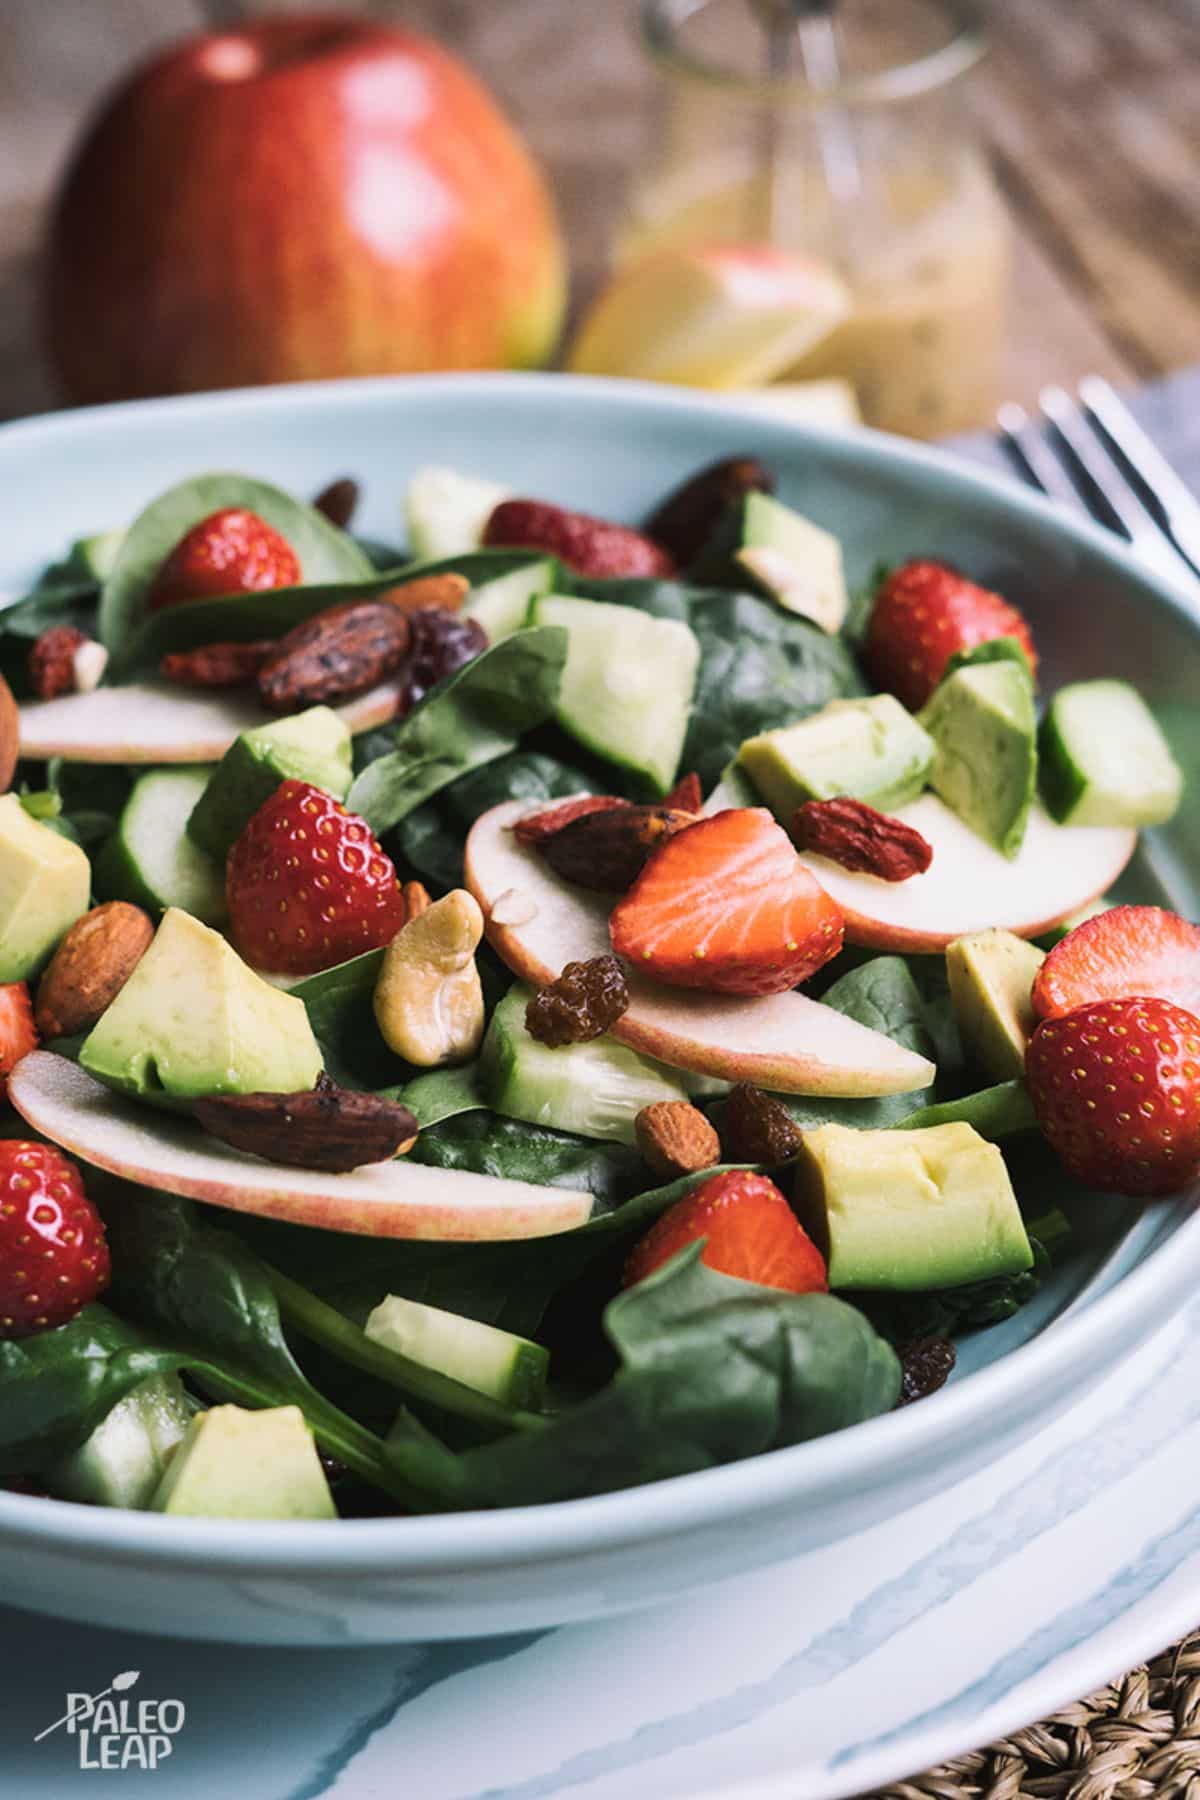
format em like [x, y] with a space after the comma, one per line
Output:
[1098, 438]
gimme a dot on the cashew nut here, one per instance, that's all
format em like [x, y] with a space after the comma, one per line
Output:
[428, 998]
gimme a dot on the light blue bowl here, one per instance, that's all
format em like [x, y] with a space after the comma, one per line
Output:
[614, 448]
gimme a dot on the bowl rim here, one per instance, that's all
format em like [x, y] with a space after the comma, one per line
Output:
[800, 1475]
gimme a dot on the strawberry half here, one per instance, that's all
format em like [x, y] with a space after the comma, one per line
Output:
[53, 1252]
[1127, 951]
[726, 904]
[923, 614]
[587, 545]
[308, 886]
[751, 1232]
[1116, 1089]
[18, 1035]
[232, 551]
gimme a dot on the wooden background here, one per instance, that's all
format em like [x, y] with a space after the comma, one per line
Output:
[1091, 107]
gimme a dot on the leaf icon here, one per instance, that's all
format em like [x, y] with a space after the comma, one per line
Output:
[121, 1682]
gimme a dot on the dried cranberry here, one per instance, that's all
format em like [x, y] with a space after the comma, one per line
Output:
[925, 1365]
[757, 1128]
[441, 642]
[586, 999]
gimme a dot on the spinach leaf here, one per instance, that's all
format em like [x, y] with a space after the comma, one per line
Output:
[441, 1094]
[325, 553]
[57, 602]
[490, 1145]
[340, 1005]
[945, 1312]
[995, 1112]
[431, 838]
[471, 717]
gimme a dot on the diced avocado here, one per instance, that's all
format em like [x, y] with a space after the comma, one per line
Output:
[495, 1362]
[125, 1458]
[235, 1464]
[627, 685]
[313, 746]
[96, 556]
[596, 1089]
[798, 563]
[445, 512]
[871, 749]
[150, 858]
[45, 885]
[502, 605]
[982, 721]
[1105, 760]
[991, 974]
[908, 1210]
[193, 1019]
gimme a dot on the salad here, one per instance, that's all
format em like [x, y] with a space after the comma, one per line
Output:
[553, 1009]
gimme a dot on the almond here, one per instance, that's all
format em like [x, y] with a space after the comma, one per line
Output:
[675, 1138]
[608, 849]
[90, 967]
[329, 1128]
[446, 592]
[10, 735]
[336, 654]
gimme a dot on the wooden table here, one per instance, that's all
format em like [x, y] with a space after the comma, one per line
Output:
[1089, 106]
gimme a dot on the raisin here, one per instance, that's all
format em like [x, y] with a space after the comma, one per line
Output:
[586, 999]
[925, 1365]
[441, 642]
[690, 514]
[338, 501]
[757, 1128]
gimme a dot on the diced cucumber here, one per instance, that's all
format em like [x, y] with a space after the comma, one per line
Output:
[97, 555]
[596, 1089]
[628, 682]
[124, 1460]
[508, 1368]
[1105, 760]
[445, 511]
[502, 606]
[151, 859]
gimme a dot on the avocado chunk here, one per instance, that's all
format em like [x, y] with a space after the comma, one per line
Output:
[991, 974]
[982, 721]
[1105, 760]
[798, 563]
[45, 885]
[235, 1464]
[871, 749]
[596, 1089]
[627, 684]
[125, 1458]
[498, 1363]
[313, 746]
[908, 1210]
[193, 1019]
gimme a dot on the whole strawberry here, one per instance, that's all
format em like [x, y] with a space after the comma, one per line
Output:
[751, 1232]
[1116, 1089]
[53, 1252]
[587, 545]
[922, 615]
[308, 886]
[230, 552]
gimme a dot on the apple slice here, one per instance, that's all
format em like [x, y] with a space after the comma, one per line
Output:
[717, 316]
[163, 1150]
[970, 886]
[154, 722]
[787, 1042]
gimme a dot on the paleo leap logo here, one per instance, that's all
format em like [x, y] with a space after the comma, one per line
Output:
[120, 1734]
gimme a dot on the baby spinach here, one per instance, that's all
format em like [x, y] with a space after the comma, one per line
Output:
[995, 1112]
[487, 1144]
[57, 602]
[471, 717]
[441, 1094]
[325, 553]
[430, 839]
[340, 1004]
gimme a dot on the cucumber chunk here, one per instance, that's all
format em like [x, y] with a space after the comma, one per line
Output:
[1105, 760]
[152, 860]
[445, 512]
[498, 1363]
[596, 1089]
[502, 606]
[125, 1458]
[627, 685]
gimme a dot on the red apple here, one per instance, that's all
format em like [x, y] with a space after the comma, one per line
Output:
[309, 196]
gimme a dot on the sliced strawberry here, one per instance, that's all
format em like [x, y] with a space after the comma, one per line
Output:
[1126, 951]
[922, 615]
[587, 545]
[750, 1229]
[687, 795]
[536, 827]
[18, 1035]
[726, 904]
[53, 1253]
[1116, 1089]
[232, 551]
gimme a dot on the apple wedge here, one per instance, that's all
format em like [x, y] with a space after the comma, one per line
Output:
[153, 722]
[787, 1042]
[163, 1150]
[969, 886]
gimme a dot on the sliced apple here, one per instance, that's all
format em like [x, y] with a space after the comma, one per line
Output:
[969, 886]
[538, 923]
[153, 722]
[161, 1150]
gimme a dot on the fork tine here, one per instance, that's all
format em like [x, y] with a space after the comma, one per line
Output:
[1179, 504]
[1034, 458]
